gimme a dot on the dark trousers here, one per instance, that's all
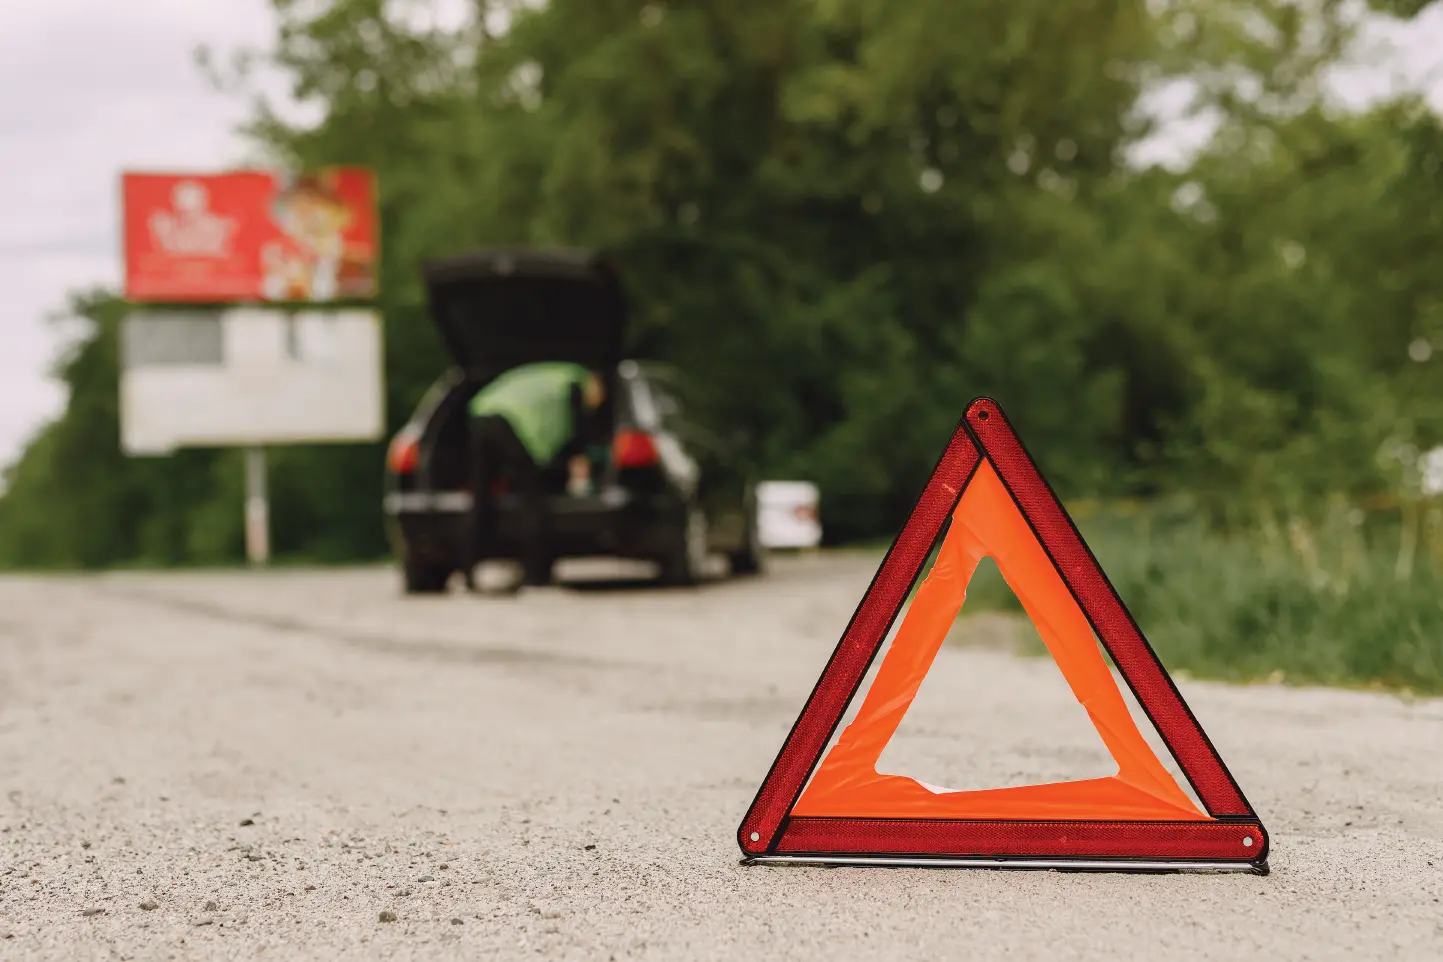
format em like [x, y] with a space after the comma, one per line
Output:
[496, 450]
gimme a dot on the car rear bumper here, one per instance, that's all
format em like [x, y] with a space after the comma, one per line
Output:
[430, 527]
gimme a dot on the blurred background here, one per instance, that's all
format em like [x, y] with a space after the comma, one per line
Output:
[1192, 246]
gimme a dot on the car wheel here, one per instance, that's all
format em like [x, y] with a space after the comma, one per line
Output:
[750, 559]
[683, 565]
[424, 579]
[541, 577]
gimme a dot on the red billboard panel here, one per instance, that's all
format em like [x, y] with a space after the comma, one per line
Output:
[250, 236]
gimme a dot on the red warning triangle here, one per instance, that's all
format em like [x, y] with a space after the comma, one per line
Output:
[834, 807]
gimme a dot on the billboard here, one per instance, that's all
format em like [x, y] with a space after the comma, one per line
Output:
[217, 377]
[250, 236]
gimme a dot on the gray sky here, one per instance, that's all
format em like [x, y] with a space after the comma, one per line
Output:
[92, 87]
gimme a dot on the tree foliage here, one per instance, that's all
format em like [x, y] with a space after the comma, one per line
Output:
[844, 218]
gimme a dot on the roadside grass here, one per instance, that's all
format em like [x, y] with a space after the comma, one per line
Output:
[1336, 602]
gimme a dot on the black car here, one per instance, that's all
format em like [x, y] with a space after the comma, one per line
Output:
[671, 492]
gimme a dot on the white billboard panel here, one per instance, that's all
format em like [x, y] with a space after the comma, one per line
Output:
[249, 376]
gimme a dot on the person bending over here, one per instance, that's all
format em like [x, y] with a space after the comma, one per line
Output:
[521, 424]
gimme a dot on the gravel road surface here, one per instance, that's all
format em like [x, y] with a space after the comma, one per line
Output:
[305, 765]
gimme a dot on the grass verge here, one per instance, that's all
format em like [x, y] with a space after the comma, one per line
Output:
[1331, 604]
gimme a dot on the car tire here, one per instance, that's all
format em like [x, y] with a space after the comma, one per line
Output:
[545, 577]
[424, 579]
[750, 559]
[683, 564]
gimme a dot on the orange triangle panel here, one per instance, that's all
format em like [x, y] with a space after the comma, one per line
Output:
[834, 806]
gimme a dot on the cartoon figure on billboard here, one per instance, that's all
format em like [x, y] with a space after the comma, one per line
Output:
[312, 262]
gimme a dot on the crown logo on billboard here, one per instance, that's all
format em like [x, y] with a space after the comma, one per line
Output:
[189, 228]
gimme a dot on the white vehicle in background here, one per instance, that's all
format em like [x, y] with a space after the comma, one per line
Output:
[1431, 466]
[788, 515]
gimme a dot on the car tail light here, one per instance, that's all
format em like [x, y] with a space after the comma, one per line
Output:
[633, 449]
[404, 452]
[807, 513]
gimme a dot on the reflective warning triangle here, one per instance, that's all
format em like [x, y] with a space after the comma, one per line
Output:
[832, 806]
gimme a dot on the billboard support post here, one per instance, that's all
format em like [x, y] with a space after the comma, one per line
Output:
[257, 509]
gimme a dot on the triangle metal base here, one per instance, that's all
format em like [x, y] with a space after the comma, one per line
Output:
[1053, 864]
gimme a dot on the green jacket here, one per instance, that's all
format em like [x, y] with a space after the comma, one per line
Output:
[535, 399]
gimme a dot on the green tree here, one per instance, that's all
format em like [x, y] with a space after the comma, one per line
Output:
[842, 219]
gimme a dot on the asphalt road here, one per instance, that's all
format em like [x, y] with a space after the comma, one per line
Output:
[216, 766]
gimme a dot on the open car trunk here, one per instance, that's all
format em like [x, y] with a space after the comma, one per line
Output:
[497, 310]
[501, 309]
